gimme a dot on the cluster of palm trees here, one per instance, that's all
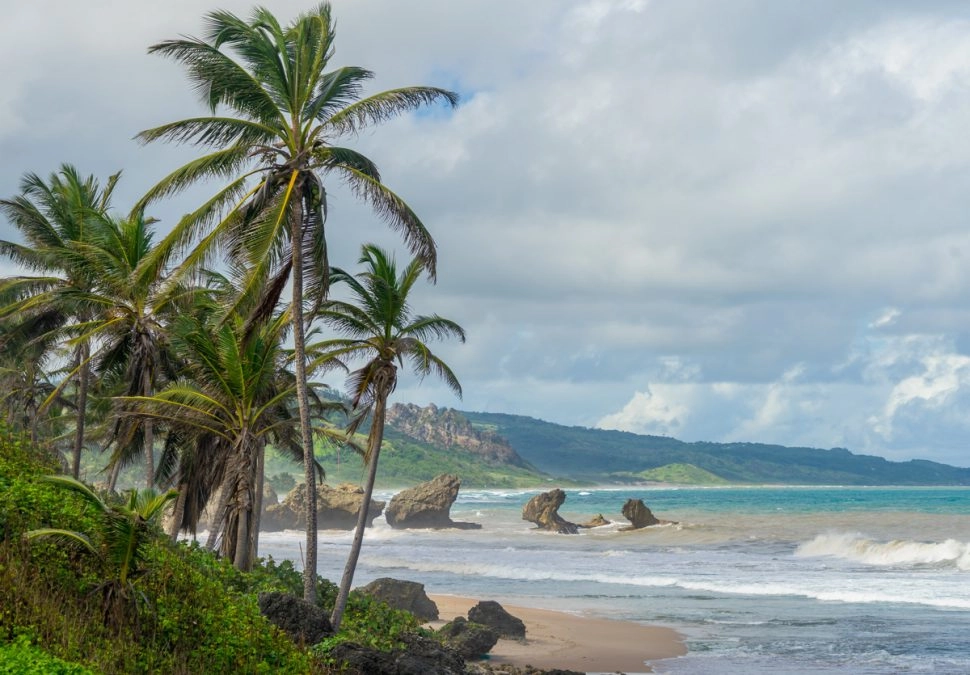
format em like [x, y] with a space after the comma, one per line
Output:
[182, 349]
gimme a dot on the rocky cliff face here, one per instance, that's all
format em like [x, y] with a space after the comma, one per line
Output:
[447, 428]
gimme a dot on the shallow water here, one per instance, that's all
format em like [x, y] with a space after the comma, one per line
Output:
[758, 580]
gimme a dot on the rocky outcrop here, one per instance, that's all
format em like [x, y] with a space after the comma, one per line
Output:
[639, 516]
[337, 509]
[543, 510]
[596, 521]
[446, 429]
[471, 640]
[490, 613]
[421, 656]
[304, 622]
[406, 595]
[426, 505]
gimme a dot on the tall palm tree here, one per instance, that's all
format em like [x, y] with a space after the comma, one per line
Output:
[53, 217]
[378, 326]
[277, 145]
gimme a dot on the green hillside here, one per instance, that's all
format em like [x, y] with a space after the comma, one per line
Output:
[617, 456]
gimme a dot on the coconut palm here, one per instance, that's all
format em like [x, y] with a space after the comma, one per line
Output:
[377, 325]
[120, 542]
[53, 217]
[276, 145]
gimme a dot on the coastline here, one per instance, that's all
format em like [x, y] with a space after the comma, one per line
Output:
[560, 640]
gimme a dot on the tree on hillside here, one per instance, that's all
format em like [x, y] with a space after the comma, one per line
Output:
[276, 146]
[377, 325]
[53, 217]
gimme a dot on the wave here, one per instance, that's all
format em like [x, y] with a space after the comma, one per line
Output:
[857, 548]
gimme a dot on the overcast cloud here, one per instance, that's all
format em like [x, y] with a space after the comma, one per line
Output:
[740, 221]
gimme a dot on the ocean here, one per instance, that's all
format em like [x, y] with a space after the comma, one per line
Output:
[757, 579]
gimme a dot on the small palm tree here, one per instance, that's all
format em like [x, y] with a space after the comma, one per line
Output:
[378, 326]
[276, 145]
[119, 544]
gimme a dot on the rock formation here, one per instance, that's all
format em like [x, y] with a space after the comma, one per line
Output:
[543, 510]
[406, 595]
[420, 656]
[471, 640]
[490, 613]
[337, 509]
[639, 515]
[302, 621]
[596, 521]
[426, 505]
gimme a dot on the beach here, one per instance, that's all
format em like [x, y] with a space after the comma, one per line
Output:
[556, 639]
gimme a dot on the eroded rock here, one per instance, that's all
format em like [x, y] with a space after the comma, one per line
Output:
[640, 516]
[543, 510]
[492, 614]
[406, 595]
[303, 622]
[426, 505]
[337, 509]
[471, 640]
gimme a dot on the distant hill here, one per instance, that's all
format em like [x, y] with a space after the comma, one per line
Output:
[599, 455]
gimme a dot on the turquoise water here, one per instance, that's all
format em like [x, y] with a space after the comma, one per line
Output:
[757, 580]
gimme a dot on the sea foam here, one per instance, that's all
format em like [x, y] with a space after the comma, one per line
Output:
[857, 548]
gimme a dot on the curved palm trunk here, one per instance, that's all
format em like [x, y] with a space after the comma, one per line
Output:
[374, 440]
[302, 398]
[146, 390]
[258, 505]
[178, 512]
[84, 377]
[217, 521]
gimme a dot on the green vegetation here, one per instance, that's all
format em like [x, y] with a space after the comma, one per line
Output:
[193, 612]
[684, 474]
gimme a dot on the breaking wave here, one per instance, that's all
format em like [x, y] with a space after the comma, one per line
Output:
[855, 547]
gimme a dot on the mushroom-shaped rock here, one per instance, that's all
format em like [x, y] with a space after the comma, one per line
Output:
[640, 516]
[337, 509]
[543, 510]
[406, 595]
[302, 621]
[490, 613]
[426, 505]
[471, 640]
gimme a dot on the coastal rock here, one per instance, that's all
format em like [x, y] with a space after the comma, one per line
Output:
[596, 521]
[421, 656]
[304, 622]
[426, 505]
[471, 640]
[640, 516]
[543, 510]
[406, 595]
[337, 509]
[492, 614]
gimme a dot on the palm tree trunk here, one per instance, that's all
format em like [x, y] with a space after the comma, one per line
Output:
[216, 522]
[84, 352]
[178, 512]
[374, 441]
[303, 399]
[258, 506]
[146, 390]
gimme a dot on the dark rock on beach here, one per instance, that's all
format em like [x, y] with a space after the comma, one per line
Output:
[304, 622]
[337, 509]
[422, 656]
[543, 510]
[426, 505]
[471, 640]
[492, 614]
[406, 595]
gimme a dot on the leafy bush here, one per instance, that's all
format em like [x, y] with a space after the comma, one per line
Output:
[20, 657]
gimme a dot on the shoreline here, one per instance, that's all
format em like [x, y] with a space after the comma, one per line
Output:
[556, 639]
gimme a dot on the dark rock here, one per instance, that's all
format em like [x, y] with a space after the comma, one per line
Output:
[337, 509]
[597, 521]
[406, 595]
[543, 510]
[640, 516]
[355, 659]
[426, 505]
[422, 656]
[471, 640]
[303, 622]
[490, 613]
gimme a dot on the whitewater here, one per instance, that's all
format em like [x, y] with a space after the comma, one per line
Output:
[756, 579]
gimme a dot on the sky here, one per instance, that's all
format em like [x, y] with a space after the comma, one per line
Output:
[719, 221]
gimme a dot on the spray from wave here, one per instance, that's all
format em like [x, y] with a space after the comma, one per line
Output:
[857, 548]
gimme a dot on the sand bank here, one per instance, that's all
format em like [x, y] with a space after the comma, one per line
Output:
[561, 640]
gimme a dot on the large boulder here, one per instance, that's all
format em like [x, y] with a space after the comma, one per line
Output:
[490, 613]
[639, 515]
[426, 505]
[471, 640]
[304, 622]
[421, 656]
[337, 509]
[543, 510]
[596, 521]
[406, 595]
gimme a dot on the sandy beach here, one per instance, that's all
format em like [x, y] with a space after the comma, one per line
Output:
[561, 640]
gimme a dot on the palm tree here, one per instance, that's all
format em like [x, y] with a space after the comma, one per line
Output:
[378, 326]
[54, 217]
[276, 146]
[120, 542]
